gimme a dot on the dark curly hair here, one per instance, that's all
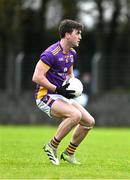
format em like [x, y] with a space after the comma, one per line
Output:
[68, 25]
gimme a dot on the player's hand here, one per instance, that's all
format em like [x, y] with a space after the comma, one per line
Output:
[64, 92]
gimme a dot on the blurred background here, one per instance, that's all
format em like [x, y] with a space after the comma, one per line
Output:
[28, 27]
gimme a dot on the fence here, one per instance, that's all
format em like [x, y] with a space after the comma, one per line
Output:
[103, 80]
[105, 75]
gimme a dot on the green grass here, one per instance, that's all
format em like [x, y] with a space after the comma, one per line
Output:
[104, 154]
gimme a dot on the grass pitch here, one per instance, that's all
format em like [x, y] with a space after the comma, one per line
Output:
[105, 154]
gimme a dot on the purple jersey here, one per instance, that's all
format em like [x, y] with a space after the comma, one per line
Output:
[58, 64]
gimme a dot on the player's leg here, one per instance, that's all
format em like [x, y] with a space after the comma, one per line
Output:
[86, 123]
[81, 130]
[71, 117]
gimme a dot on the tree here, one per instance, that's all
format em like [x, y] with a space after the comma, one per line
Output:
[112, 19]
[9, 27]
[21, 29]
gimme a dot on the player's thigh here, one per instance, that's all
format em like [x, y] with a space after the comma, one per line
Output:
[62, 109]
[87, 119]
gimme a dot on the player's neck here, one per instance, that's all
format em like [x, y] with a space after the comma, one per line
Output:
[65, 46]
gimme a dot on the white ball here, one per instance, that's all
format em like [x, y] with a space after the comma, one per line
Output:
[76, 85]
[83, 99]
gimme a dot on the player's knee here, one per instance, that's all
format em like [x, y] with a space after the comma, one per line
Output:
[92, 122]
[89, 124]
[76, 117]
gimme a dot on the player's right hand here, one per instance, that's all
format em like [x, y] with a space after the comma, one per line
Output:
[64, 92]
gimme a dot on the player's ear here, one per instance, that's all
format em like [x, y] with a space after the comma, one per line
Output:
[67, 35]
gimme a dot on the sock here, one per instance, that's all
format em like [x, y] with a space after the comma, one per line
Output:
[54, 142]
[71, 148]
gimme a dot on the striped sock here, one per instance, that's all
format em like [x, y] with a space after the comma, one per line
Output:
[71, 148]
[54, 142]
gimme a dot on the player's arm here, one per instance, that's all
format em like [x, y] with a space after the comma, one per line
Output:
[70, 72]
[39, 76]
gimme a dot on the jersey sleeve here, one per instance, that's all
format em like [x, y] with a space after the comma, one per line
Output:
[47, 58]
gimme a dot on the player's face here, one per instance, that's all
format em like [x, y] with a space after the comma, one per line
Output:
[75, 38]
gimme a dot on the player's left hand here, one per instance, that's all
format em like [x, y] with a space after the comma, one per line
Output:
[66, 93]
